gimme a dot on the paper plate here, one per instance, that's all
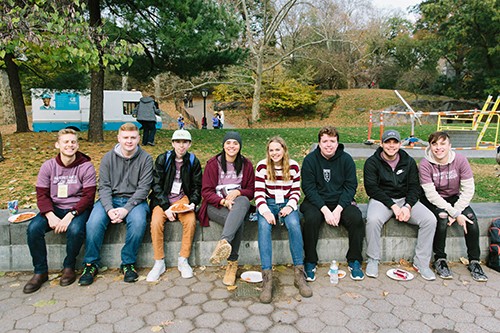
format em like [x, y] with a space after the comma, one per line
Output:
[400, 274]
[251, 276]
[22, 217]
[180, 208]
[342, 274]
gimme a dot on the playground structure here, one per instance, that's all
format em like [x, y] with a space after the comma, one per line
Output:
[467, 128]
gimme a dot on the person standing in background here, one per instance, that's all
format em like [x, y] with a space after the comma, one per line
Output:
[146, 113]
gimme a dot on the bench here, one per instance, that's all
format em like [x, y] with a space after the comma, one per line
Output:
[398, 241]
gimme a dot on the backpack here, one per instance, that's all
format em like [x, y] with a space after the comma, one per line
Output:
[494, 255]
[167, 159]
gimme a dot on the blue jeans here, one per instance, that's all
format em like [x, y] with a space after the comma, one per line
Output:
[75, 235]
[98, 223]
[292, 223]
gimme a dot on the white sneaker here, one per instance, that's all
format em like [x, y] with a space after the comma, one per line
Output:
[372, 268]
[184, 268]
[157, 270]
[425, 272]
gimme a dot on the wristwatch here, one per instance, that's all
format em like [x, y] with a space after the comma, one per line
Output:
[74, 212]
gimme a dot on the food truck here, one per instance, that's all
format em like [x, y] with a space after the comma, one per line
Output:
[55, 110]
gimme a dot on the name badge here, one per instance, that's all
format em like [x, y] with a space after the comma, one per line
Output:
[176, 187]
[62, 190]
[279, 198]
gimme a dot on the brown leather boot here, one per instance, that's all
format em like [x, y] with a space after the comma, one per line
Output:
[300, 281]
[230, 276]
[266, 294]
[68, 277]
[35, 283]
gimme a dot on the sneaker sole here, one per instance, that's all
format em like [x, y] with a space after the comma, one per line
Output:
[446, 277]
[372, 275]
[131, 280]
[423, 277]
[185, 276]
[308, 279]
[159, 275]
[222, 253]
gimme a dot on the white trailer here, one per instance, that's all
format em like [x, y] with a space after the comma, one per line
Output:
[70, 109]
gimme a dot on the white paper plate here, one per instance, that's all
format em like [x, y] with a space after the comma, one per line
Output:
[22, 217]
[251, 276]
[391, 273]
[181, 208]
[342, 274]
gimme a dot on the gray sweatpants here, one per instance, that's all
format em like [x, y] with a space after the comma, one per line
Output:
[378, 214]
[232, 222]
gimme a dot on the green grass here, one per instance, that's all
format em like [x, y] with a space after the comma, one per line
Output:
[207, 143]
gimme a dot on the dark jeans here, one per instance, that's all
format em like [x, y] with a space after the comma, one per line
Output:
[149, 131]
[350, 218]
[75, 236]
[471, 237]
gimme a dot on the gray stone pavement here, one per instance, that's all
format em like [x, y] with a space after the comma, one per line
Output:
[204, 304]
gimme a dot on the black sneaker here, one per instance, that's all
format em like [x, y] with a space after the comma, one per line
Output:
[476, 271]
[442, 269]
[89, 272]
[129, 272]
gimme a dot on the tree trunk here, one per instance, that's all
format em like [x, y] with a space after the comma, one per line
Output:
[97, 80]
[257, 89]
[8, 115]
[124, 82]
[96, 133]
[17, 93]
[1, 148]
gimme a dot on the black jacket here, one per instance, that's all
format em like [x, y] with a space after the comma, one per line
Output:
[383, 184]
[163, 180]
[329, 182]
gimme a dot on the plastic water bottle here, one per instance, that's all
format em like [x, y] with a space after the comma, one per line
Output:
[334, 272]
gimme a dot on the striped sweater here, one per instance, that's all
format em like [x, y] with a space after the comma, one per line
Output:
[265, 189]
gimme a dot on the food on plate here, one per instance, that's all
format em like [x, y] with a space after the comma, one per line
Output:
[23, 217]
[177, 208]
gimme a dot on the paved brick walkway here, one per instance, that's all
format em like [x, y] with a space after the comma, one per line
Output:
[204, 304]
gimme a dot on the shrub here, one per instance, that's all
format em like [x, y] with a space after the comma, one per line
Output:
[289, 98]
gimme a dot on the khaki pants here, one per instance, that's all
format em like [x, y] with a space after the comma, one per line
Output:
[158, 220]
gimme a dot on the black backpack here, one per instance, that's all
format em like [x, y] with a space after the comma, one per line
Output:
[494, 256]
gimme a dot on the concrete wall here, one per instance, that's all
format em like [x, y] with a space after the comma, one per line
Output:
[398, 241]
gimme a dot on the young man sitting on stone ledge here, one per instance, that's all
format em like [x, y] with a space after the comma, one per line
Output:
[125, 178]
[175, 193]
[391, 182]
[65, 191]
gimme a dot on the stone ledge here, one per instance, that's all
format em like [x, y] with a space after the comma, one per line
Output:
[398, 241]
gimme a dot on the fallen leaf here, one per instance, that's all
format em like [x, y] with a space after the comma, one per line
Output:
[141, 278]
[231, 288]
[156, 328]
[203, 268]
[15, 285]
[41, 304]
[353, 295]
[464, 261]
[405, 263]
[280, 268]
[167, 322]
[2, 274]
[54, 276]
[385, 293]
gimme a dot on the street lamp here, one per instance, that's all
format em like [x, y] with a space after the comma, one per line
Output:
[204, 93]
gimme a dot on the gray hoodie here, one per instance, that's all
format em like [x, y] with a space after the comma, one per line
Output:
[146, 110]
[125, 177]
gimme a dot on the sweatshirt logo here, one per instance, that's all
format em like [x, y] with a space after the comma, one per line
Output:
[326, 175]
[400, 171]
